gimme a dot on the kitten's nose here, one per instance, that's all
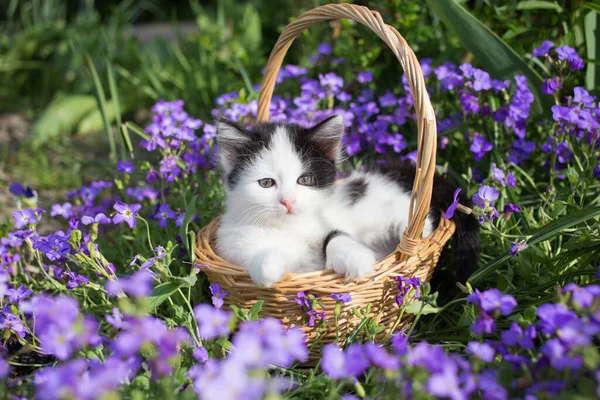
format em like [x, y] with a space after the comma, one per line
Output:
[288, 205]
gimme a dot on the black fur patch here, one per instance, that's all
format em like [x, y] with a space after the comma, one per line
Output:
[330, 236]
[314, 155]
[466, 244]
[356, 189]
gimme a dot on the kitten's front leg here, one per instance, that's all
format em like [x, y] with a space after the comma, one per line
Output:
[267, 268]
[347, 256]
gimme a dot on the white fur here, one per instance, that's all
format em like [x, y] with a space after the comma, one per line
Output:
[257, 232]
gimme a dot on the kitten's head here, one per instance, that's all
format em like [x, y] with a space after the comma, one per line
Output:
[277, 170]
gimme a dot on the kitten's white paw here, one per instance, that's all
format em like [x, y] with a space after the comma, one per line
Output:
[268, 269]
[349, 257]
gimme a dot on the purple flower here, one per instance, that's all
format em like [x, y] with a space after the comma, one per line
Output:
[365, 77]
[18, 295]
[357, 361]
[98, 219]
[12, 322]
[554, 317]
[125, 167]
[469, 103]
[483, 324]
[397, 142]
[341, 297]
[115, 320]
[452, 208]
[4, 369]
[582, 96]
[65, 210]
[481, 80]
[379, 357]
[404, 287]
[485, 196]
[126, 212]
[559, 356]
[511, 180]
[343, 97]
[163, 214]
[388, 100]
[324, 49]
[200, 354]
[597, 172]
[583, 296]
[55, 246]
[447, 383]
[498, 175]
[212, 322]
[19, 191]
[24, 218]
[217, 295]
[563, 153]
[136, 285]
[569, 54]
[332, 81]
[543, 49]
[333, 362]
[493, 300]
[482, 350]
[479, 147]
[400, 344]
[305, 301]
[551, 85]
[518, 247]
[515, 335]
[75, 280]
[511, 208]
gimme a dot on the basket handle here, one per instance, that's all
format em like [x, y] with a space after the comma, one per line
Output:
[427, 133]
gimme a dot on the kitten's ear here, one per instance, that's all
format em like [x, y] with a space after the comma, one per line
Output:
[327, 136]
[231, 139]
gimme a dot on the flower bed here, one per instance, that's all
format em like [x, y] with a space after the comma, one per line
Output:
[115, 303]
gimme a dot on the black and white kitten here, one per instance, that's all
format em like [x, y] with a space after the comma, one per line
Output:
[287, 212]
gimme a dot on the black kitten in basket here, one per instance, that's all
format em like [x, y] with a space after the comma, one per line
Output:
[287, 210]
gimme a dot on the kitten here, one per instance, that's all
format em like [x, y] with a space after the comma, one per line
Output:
[287, 212]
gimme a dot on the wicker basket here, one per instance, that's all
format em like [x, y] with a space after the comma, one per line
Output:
[413, 257]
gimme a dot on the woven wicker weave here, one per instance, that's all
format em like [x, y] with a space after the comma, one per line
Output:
[413, 257]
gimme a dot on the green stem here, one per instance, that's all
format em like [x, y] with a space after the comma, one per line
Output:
[147, 231]
[412, 326]
[189, 306]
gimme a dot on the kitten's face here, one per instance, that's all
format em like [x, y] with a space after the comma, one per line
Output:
[278, 171]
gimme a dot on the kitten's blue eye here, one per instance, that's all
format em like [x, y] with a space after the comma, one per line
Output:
[307, 180]
[266, 182]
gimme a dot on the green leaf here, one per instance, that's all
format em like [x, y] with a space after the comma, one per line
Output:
[592, 6]
[116, 107]
[186, 281]
[415, 307]
[60, 117]
[547, 232]
[190, 211]
[253, 315]
[591, 28]
[496, 57]
[572, 175]
[538, 5]
[137, 130]
[241, 314]
[530, 313]
[101, 99]
[591, 358]
[160, 293]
